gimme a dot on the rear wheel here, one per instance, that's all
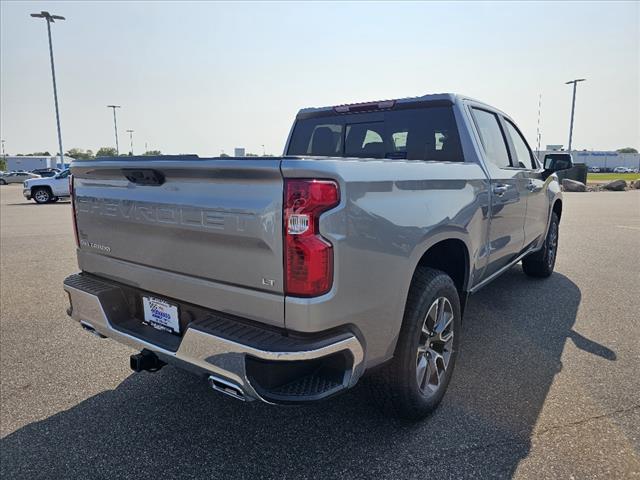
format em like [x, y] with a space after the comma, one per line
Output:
[412, 385]
[42, 195]
[541, 263]
[3, 181]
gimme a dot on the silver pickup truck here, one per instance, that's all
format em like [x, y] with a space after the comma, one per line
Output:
[287, 279]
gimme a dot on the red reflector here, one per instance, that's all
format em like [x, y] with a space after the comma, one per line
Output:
[308, 256]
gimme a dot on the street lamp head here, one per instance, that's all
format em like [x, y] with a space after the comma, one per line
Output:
[48, 16]
[575, 81]
[113, 106]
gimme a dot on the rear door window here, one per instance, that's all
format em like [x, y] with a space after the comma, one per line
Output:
[427, 133]
[493, 141]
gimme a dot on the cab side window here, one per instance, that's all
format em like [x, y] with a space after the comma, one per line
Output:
[493, 142]
[524, 157]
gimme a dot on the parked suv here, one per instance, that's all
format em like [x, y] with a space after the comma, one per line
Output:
[46, 172]
[286, 279]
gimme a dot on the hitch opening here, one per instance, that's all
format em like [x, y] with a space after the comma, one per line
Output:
[146, 360]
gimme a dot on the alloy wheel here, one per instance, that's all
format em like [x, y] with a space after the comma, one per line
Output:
[435, 346]
[552, 244]
[42, 196]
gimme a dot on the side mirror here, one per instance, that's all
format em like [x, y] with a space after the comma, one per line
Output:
[556, 164]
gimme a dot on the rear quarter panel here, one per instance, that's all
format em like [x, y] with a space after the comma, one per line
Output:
[390, 213]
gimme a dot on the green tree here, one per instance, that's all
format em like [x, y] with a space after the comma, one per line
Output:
[627, 150]
[152, 152]
[3, 164]
[106, 152]
[223, 155]
[34, 154]
[251, 155]
[80, 154]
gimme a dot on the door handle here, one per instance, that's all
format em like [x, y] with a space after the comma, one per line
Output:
[500, 189]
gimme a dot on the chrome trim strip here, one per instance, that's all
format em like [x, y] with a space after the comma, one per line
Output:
[215, 355]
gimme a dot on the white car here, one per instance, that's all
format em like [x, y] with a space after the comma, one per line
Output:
[16, 177]
[49, 189]
[622, 170]
[594, 169]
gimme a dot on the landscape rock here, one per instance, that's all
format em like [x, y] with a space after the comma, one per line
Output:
[616, 186]
[573, 186]
[635, 185]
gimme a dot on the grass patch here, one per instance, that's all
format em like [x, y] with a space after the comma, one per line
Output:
[607, 177]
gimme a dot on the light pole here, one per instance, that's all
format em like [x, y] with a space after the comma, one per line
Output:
[51, 19]
[573, 107]
[130, 132]
[115, 125]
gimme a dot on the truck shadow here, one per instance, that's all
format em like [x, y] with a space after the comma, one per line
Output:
[170, 425]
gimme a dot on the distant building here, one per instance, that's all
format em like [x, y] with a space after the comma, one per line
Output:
[28, 163]
[598, 158]
[239, 152]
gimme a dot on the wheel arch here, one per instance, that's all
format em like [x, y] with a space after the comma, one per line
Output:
[46, 187]
[557, 208]
[449, 254]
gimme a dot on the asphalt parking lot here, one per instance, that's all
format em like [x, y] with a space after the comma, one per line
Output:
[547, 384]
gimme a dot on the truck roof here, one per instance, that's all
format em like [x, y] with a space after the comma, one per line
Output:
[444, 98]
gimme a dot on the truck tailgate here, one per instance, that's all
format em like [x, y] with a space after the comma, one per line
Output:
[214, 222]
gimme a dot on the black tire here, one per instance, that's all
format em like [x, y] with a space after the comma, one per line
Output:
[54, 199]
[41, 195]
[540, 264]
[396, 386]
[3, 181]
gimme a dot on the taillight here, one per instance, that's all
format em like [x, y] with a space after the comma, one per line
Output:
[72, 195]
[308, 256]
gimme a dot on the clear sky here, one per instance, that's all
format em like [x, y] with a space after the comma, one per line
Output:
[203, 77]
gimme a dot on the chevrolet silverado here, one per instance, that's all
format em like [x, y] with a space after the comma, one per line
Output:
[287, 279]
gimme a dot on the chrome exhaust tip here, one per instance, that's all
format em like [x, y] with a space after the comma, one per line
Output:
[225, 386]
[89, 328]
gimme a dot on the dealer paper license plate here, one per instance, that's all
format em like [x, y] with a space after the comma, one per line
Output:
[161, 315]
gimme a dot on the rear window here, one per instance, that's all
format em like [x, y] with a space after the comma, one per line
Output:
[412, 134]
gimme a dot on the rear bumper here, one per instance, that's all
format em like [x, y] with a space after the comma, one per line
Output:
[248, 358]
